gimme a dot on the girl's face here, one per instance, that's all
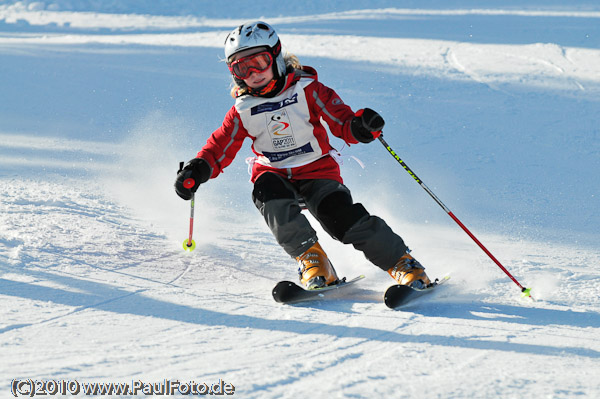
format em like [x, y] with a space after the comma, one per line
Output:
[256, 79]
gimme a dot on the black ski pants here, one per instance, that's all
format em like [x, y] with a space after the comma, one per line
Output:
[330, 202]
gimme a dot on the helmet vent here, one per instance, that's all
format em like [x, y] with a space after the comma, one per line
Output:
[251, 35]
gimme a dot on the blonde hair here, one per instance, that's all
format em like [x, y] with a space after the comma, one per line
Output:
[291, 62]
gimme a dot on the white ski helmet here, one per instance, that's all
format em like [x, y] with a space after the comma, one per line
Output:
[256, 34]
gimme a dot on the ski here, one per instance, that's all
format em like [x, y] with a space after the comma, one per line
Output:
[399, 295]
[289, 292]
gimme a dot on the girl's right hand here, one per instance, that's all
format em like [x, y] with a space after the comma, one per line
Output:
[189, 178]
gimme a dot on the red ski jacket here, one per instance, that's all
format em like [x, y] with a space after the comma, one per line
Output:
[287, 135]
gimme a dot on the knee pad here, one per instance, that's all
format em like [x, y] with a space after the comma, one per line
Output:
[268, 187]
[338, 214]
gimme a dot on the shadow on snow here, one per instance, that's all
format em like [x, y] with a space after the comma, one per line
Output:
[107, 298]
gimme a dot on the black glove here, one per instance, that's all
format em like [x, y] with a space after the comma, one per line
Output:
[191, 176]
[366, 125]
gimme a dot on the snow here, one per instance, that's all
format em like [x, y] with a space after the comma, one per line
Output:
[494, 106]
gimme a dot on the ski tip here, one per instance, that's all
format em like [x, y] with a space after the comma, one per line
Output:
[284, 290]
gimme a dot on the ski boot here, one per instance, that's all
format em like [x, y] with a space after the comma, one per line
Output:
[408, 271]
[315, 270]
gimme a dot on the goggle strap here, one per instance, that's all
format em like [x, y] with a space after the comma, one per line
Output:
[276, 49]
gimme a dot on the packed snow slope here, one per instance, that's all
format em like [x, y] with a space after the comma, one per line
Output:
[496, 107]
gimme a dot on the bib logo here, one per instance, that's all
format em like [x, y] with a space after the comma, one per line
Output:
[280, 129]
[271, 107]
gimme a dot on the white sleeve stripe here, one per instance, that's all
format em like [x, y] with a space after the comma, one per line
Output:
[322, 105]
[236, 128]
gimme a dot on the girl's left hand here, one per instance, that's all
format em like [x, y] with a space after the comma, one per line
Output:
[366, 125]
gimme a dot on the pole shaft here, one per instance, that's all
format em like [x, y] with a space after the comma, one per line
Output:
[191, 219]
[492, 257]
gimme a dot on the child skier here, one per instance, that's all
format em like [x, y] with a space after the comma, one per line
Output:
[279, 105]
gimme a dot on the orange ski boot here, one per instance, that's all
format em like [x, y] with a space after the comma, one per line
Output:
[315, 269]
[408, 271]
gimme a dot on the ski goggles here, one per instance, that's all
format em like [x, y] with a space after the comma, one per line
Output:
[258, 62]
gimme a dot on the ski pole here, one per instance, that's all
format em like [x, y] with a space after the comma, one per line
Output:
[188, 243]
[525, 291]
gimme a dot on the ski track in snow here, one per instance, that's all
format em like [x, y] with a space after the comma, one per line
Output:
[95, 285]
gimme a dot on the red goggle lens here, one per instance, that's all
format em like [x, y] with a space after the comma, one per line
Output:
[258, 62]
